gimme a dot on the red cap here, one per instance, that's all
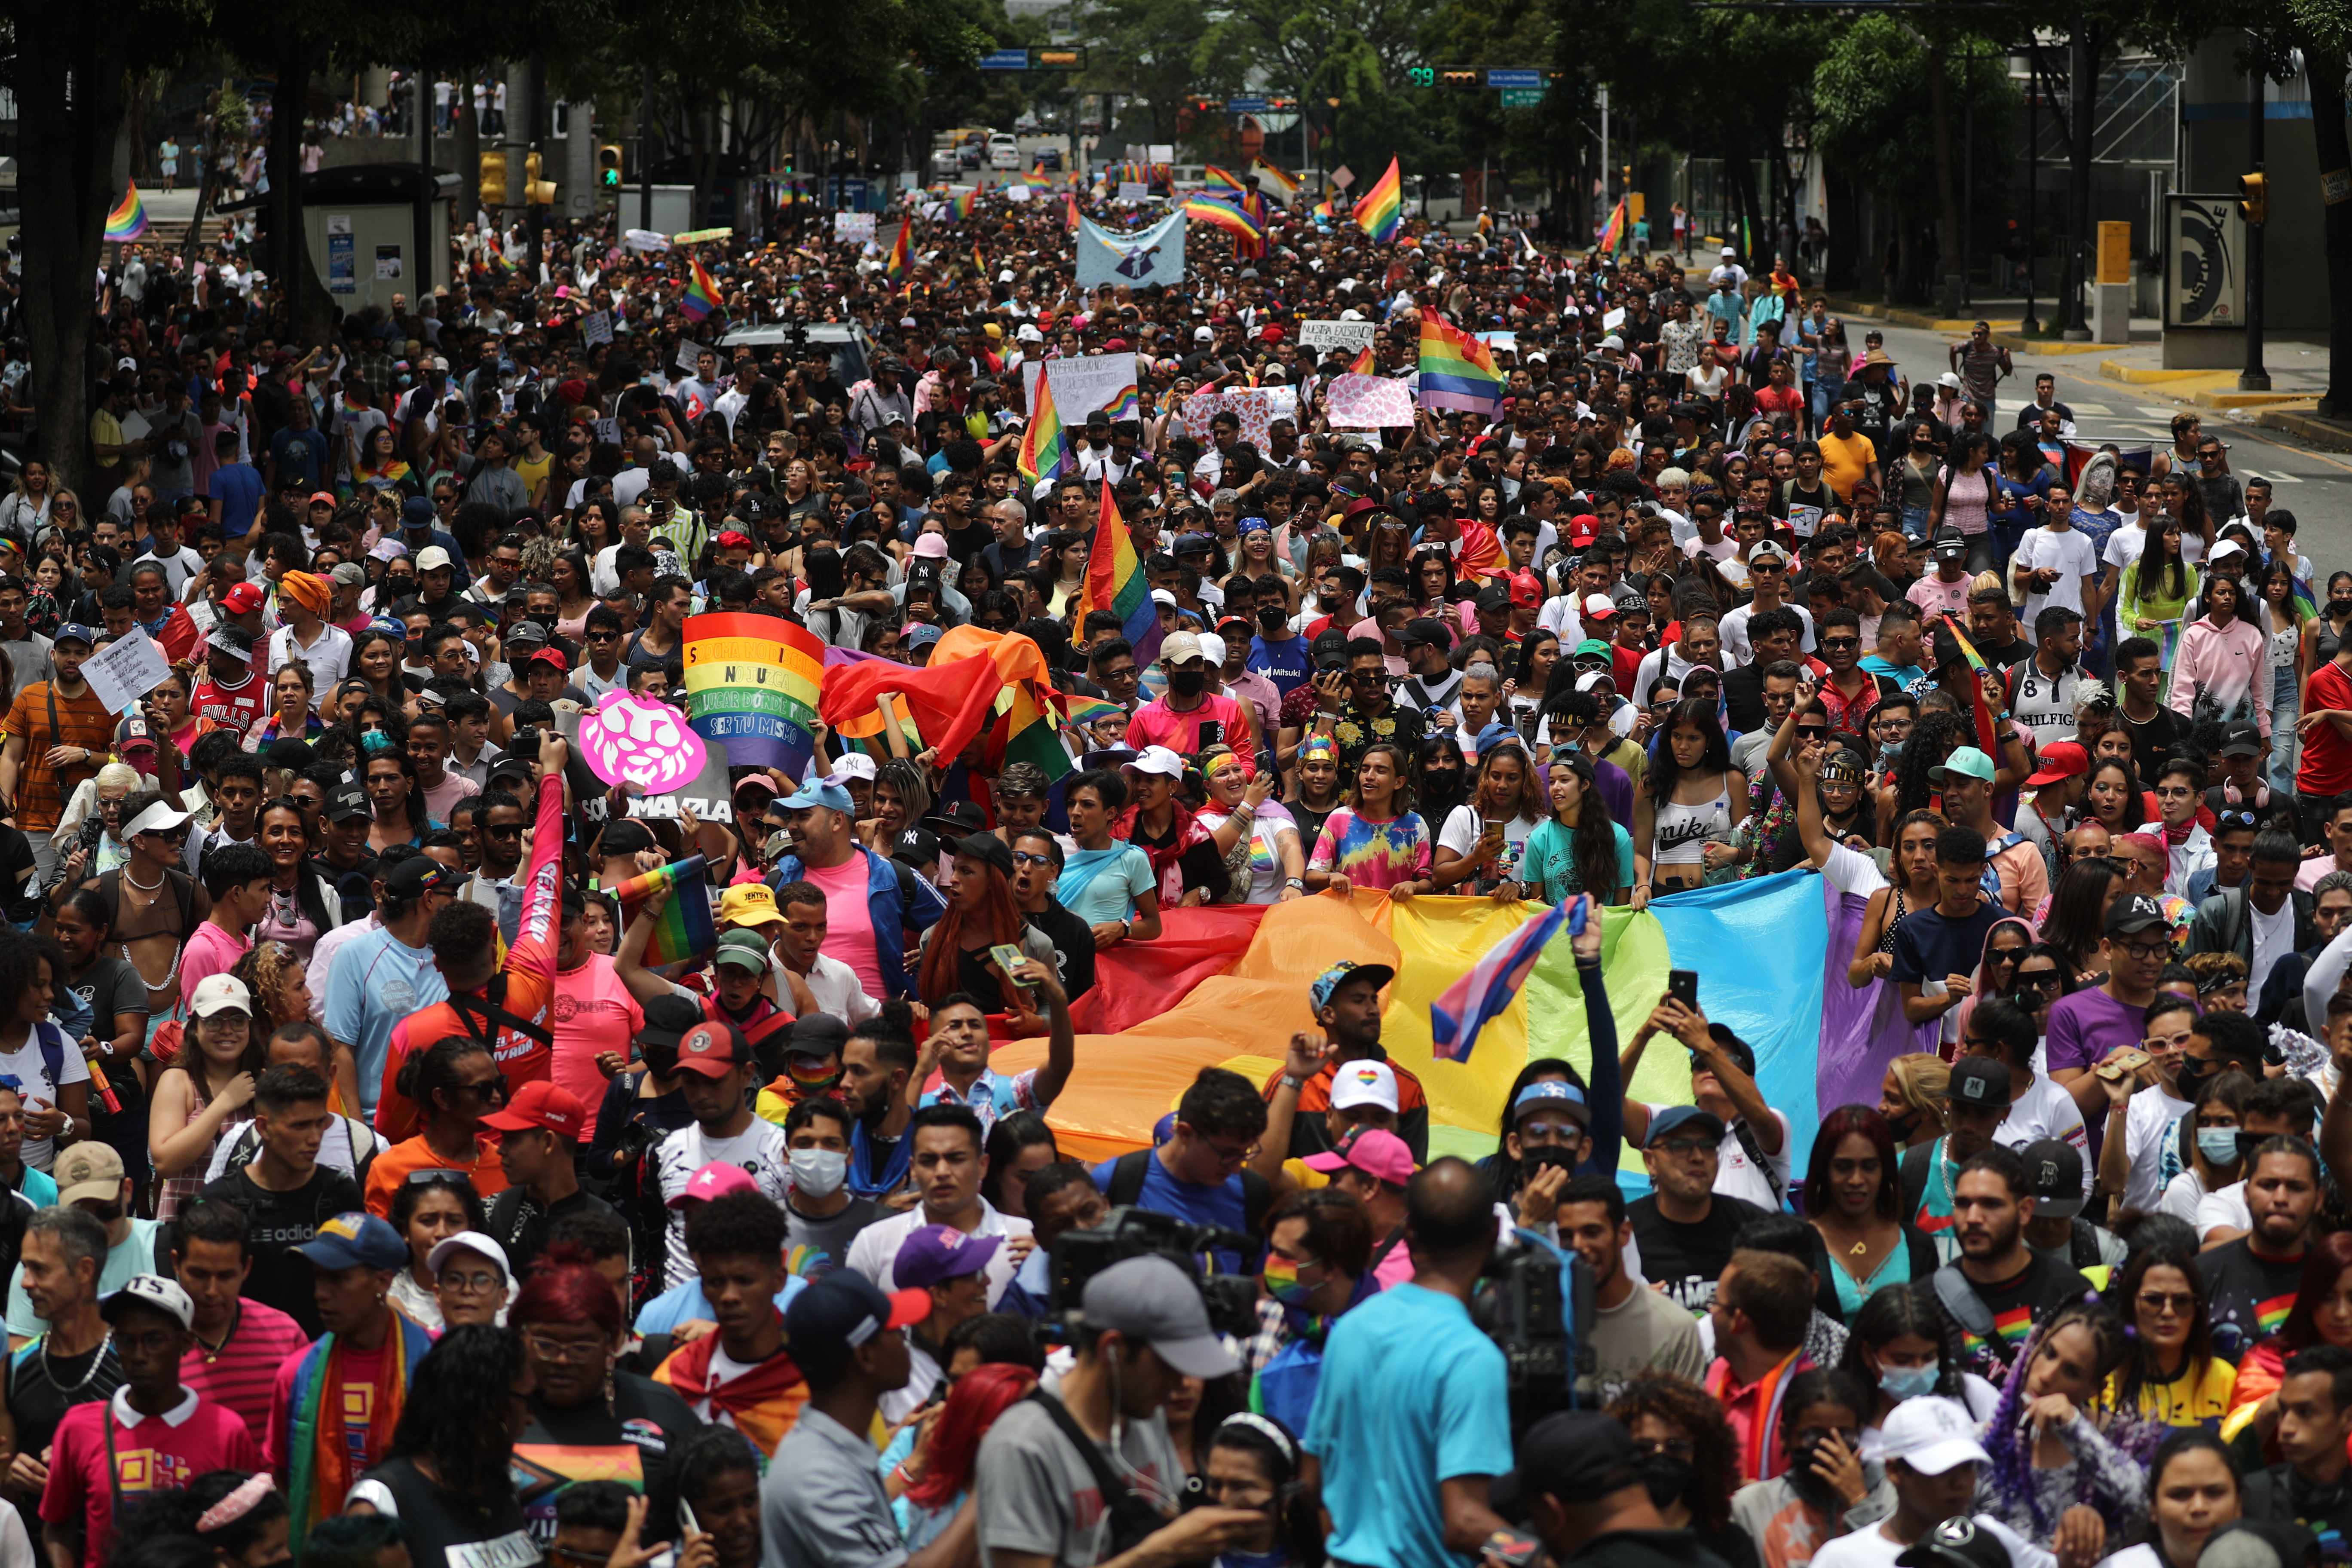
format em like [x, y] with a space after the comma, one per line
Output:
[540, 1104]
[2060, 760]
[1527, 590]
[734, 540]
[1583, 528]
[554, 655]
[242, 599]
[1270, 333]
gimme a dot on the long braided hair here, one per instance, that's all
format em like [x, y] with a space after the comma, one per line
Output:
[2009, 1435]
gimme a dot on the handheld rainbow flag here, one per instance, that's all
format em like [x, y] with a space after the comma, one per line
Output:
[1038, 180]
[128, 221]
[1365, 364]
[1487, 992]
[1282, 180]
[1213, 175]
[683, 929]
[1114, 582]
[1983, 711]
[899, 248]
[1322, 211]
[1220, 216]
[978, 262]
[961, 205]
[1456, 371]
[1613, 233]
[702, 296]
[1070, 212]
[1046, 451]
[2306, 602]
[751, 687]
[1380, 212]
[1027, 729]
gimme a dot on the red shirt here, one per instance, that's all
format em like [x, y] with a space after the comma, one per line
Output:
[151, 1454]
[2326, 766]
[236, 708]
[237, 1377]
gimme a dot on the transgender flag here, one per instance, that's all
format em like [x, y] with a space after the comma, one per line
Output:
[1480, 998]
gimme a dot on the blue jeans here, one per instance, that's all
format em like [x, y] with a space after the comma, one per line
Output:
[1825, 391]
[1915, 521]
[2286, 747]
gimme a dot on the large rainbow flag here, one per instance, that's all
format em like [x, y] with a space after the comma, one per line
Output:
[683, 930]
[1114, 582]
[975, 686]
[752, 684]
[128, 221]
[1046, 451]
[1213, 175]
[1380, 212]
[1224, 216]
[1456, 371]
[702, 296]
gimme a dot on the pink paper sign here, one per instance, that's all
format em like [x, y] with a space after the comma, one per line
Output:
[645, 746]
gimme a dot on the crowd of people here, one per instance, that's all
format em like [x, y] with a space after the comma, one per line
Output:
[364, 1159]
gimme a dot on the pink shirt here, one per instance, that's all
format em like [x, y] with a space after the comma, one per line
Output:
[441, 799]
[1934, 597]
[211, 951]
[849, 918]
[593, 1012]
[152, 1453]
[1157, 724]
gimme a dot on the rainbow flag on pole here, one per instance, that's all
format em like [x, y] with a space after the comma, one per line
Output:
[751, 687]
[899, 248]
[1456, 371]
[1487, 992]
[1365, 363]
[1613, 233]
[963, 206]
[1380, 212]
[1114, 582]
[683, 930]
[1045, 444]
[128, 221]
[1218, 215]
[1322, 210]
[1983, 711]
[702, 296]
[1213, 175]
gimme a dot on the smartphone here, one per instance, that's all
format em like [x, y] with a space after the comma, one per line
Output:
[686, 1516]
[1009, 958]
[1682, 985]
[1492, 834]
[2128, 1062]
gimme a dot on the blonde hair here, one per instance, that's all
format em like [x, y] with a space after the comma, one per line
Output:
[1921, 1081]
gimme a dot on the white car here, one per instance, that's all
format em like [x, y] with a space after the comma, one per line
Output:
[1004, 151]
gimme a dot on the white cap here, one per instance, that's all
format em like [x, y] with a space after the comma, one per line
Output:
[854, 765]
[1203, 334]
[157, 818]
[1157, 760]
[1027, 333]
[1163, 596]
[150, 1290]
[1728, 250]
[1213, 648]
[1930, 1434]
[432, 558]
[1592, 678]
[1950, 378]
[1364, 1083]
[2223, 549]
[469, 1241]
[220, 994]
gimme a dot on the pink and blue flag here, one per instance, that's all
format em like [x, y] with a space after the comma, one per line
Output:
[1483, 995]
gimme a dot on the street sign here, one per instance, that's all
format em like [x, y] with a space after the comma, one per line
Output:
[1066, 59]
[1245, 106]
[1343, 176]
[1523, 97]
[1006, 60]
[1515, 78]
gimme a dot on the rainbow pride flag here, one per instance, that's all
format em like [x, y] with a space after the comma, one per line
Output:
[1221, 215]
[1114, 582]
[1046, 451]
[1282, 180]
[1213, 175]
[1027, 729]
[751, 687]
[1380, 212]
[683, 930]
[1070, 212]
[1984, 711]
[1613, 233]
[899, 248]
[963, 206]
[128, 221]
[702, 296]
[1322, 211]
[1038, 180]
[1365, 364]
[1456, 371]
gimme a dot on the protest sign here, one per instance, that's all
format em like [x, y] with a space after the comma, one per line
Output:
[1349, 335]
[1369, 403]
[1082, 385]
[596, 327]
[853, 227]
[124, 670]
[1257, 406]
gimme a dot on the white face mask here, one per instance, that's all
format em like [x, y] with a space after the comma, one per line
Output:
[818, 1173]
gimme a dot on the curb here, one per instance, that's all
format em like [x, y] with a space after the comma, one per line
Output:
[2250, 399]
[2143, 375]
[2007, 333]
[2329, 435]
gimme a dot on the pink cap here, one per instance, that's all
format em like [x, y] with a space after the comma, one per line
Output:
[931, 547]
[1375, 1150]
[715, 1179]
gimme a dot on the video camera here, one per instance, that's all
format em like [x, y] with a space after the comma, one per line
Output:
[1536, 1305]
[1125, 1233]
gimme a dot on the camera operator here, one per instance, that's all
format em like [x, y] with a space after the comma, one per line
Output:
[1412, 1421]
[1087, 1474]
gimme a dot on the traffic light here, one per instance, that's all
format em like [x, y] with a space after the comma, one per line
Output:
[536, 192]
[494, 179]
[2254, 201]
[608, 167]
[1473, 80]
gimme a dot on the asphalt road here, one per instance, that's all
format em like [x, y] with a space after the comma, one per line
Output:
[2317, 486]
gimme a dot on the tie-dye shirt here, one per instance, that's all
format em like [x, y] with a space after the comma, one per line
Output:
[1373, 854]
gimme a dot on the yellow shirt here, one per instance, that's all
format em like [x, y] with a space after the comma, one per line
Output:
[2192, 1399]
[532, 471]
[1845, 461]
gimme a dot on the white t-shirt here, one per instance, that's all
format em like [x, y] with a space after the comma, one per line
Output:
[2151, 1115]
[1736, 1176]
[1733, 629]
[759, 1148]
[1869, 1548]
[2182, 1194]
[2044, 705]
[2224, 1210]
[29, 1067]
[2071, 553]
[2046, 1110]
[328, 658]
[1460, 834]
[2273, 940]
[2124, 546]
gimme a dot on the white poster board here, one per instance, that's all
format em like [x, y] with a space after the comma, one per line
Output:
[853, 227]
[1351, 335]
[124, 670]
[1082, 386]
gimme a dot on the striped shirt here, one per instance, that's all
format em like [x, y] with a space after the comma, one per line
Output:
[82, 720]
[239, 1375]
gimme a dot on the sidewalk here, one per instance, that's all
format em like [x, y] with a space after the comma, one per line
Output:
[2006, 317]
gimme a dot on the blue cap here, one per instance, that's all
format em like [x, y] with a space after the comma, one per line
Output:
[922, 633]
[356, 1241]
[1163, 1130]
[841, 1311]
[1550, 1092]
[819, 791]
[74, 631]
[417, 511]
[1673, 1118]
[1328, 981]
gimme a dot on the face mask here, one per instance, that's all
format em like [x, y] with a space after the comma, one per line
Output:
[2218, 1144]
[1188, 682]
[2190, 1076]
[1901, 1126]
[1901, 1383]
[1271, 617]
[818, 1171]
[1665, 1476]
[1282, 1281]
[1891, 750]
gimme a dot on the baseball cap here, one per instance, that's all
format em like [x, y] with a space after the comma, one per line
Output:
[1575, 1454]
[711, 1047]
[232, 641]
[1966, 761]
[349, 572]
[1765, 550]
[1931, 1433]
[1148, 1299]
[1178, 647]
[1980, 1082]
[2238, 738]
[74, 631]
[955, 820]
[922, 633]
[1951, 543]
[242, 599]
[745, 950]
[2060, 760]
[1957, 1542]
[1346, 969]
[918, 847]
[841, 1311]
[819, 792]
[1592, 647]
[987, 849]
[748, 904]
[715, 1179]
[1428, 629]
[472, 1241]
[2055, 1168]
[525, 634]
[220, 994]
[854, 766]
[1364, 1083]
[89, 1170]
[149, 1290]
[554, 656]
[417, 875]
[1157, 760]
[2136, 911]
[355, 1240]
[1375, 1150]
[1599, 607]
[432, 558]
[934, 1253]
[1329, 649]
[1552, 1094]
[543, 1104]
[1674, 1117]
[1495, 598]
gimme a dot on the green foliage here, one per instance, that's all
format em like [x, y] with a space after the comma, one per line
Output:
[1870, 94]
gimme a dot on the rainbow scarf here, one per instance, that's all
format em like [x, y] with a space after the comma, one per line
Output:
[1380, 212]
[1762, 1448]
[324, 1461]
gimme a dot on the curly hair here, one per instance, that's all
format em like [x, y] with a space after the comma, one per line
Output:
[444, 1417]
[1714, 1458]
[263, 970]
[1933, 739]
[693, 1464]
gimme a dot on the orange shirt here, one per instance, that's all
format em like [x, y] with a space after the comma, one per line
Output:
[81, 721]
[392, 1168]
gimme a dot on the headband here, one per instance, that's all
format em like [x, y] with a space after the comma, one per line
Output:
[237, 1505]
[1263, 1428]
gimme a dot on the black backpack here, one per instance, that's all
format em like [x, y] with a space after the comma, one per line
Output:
[1127, 1174]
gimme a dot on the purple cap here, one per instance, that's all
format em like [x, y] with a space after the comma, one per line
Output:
[937, 1253]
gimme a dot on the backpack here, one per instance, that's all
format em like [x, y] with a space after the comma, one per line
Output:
[1128, 1172]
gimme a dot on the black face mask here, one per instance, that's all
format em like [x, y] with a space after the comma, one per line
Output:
[2191, 1075]
[1271, 617]
[1901, 1126]
[1188, 682]
[1665, 1477]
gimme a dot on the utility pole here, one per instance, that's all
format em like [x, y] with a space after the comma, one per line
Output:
[1593, 218]
[2083, 93]
[1967, 170]
[2031, 323]
[645, 151]
[2255, 378]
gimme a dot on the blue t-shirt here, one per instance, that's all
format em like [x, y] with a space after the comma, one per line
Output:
[237, 487]
[1288, 663]
[376, 982]
[302, 452]
[1190, 1202]
[1386, 1441]
[1111, 893]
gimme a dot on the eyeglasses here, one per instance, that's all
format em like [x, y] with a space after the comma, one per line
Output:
[1026, 858]
[2146, 952]
[2182, 1303]
[502, 829]
[573, 1352]
[1812, 732]
[2041, 979]
[489, 1088]
[482, 1282]
[1232, 1156]
[2235, 818]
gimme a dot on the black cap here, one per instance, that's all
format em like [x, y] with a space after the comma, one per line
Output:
[819, 1035]
[2136, 911]
[1494, 598]
[1980, 1082]
[1428, 629]
[918, 847]
[625, 837]
[290, 753]
[2239, 739]
[1331, 650]
[1958, 1543]
[2055, 1168]
[957, 818]
[348, 800]
[667, 1018]
[419, 875]
[1575, 1454]
[989, 848]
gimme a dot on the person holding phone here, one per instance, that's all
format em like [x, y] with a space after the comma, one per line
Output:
[1752, 1161]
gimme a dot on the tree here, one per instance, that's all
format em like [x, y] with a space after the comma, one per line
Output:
[2325, 29]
